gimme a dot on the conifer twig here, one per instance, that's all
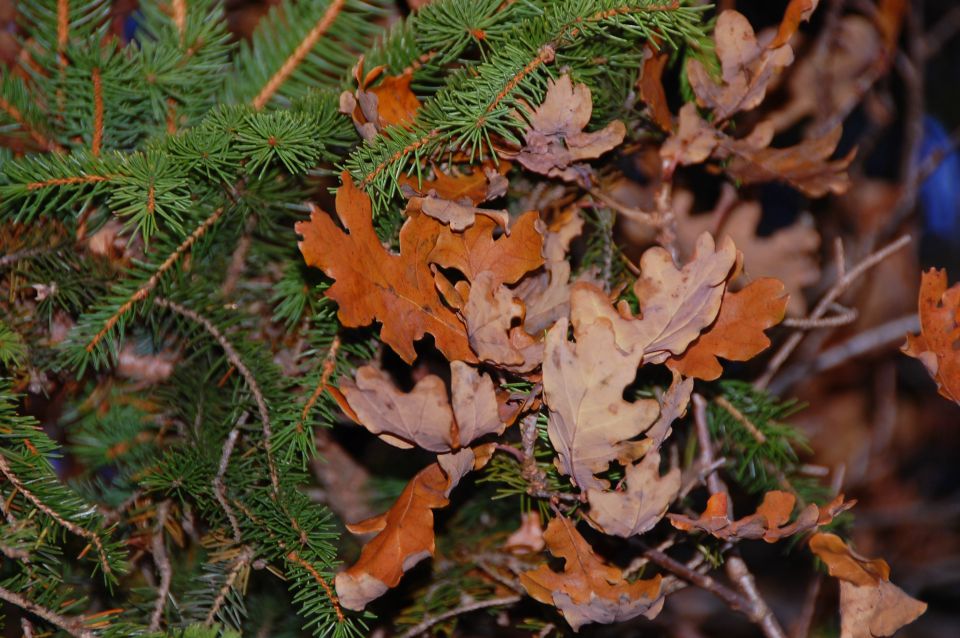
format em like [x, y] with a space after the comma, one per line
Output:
[243, 559]
[154, 279]
[234, 358]
[97, 112]
[219, 488]
[70, 526]
[72, 626]
[179, 8]
[294, 557]
[329, 365]
[39, 138]
[291, 63]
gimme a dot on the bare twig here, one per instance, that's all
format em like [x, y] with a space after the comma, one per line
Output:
[733, 600]
[633, 214]
[824, 304]
[242, 561]
[741, 419]
[244, 371]
[219, 488]
[848, 316]
[73, 626]
[162, 561]
[884, 335]
[430, 621]
[736, 568]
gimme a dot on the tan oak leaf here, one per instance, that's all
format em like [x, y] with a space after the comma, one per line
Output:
[637, 509]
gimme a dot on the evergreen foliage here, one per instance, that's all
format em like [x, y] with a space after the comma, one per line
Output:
[201, 153]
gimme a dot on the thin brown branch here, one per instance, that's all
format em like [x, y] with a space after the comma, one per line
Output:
[97, 113]
[291, 63]
[633, 214]
[824, 304]
[234, 358]
[73, 626]
[68, 181]
[39, 138]
[430, 621]
[70, 526]
[219, 488]
[151, 283]
[737, 570]
[848, 316]
[882, 336]
[158, 548]
[180, 17]
[733, 600]
[63, 30]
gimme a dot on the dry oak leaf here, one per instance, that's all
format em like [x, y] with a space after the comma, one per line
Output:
[805, 166]
[651, 89]
[590, 423]
[485, 182]
[555, 140]
[797, 11]
[458, 216]
[789, 254]
[425, 417]
[507, 257]
[747, 68]
[770, 522]
[641, 506]
[588, 590]
[676, 304]
[405, 532]
[936, 345]
[870, 605]
[673, 405]
[371, 283]
[694, 141]
[528, 538]
[490, 312]
[738, 332]
[390, 103]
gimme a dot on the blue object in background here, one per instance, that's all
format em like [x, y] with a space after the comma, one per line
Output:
[940, 193]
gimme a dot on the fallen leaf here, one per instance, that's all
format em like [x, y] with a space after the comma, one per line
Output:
[490, 313]
[770, 522]
[507, 257]
[870, 605]
[555, 140]
[590, 423]
[588, 590]
[676, 304]
[673, 405]
[389, 103]
[694, 141]
[372, 283]
[805, 166]
[405, 533]
[650, 86]
[454, 214]
[797, 11]
[425, 417]
[789, 254]
[738, 332]
[528, 538]
[747, 68]
[641, 506]
[936, 345]
[485, 182]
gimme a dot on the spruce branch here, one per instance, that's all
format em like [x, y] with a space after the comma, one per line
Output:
[73, 626]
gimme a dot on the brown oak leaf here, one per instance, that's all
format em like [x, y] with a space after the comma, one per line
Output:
[738, 332]
[641, 506]
[797, 11]
[389, 103]
[651, 89]
[770, 522]
[870, 605]
[747, 67]
[371, 283]
[676, 304]
[459, 216]
[404, 533]
[789, 254]
[590, 423]
[555, 140]
[936, 345]
[507, 257]
[485, 182]
[490, 312]
[588, 590]
[425, 417]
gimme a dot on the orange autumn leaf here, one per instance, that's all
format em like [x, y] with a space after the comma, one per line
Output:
[373, 284]
[935, 346]
[588, 589]
[738, 332]
[870, 605]
[770, 522]
[651, 87]
[405, 532]
[390, 103]
[485, 182]
[797, 11]
[396, 102]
